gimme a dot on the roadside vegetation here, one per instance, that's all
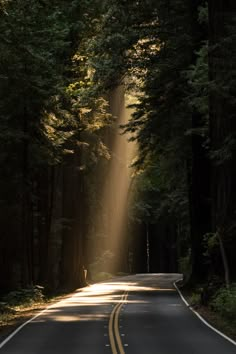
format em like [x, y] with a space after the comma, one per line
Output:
[66, 70]
[20, 305]
[218, 307]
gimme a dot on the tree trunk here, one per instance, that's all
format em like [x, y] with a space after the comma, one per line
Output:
[199, 174]
[222, 74]
[224, 259]
[72, 267]
[26, 218]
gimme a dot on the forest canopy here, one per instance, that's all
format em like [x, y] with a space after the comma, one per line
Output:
[77, 81]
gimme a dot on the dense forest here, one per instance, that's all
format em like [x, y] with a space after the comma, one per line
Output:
[118, 142]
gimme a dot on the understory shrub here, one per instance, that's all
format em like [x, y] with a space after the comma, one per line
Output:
[26, 296]
[224, 302]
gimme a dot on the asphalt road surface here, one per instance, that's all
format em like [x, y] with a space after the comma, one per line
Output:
[139, 314]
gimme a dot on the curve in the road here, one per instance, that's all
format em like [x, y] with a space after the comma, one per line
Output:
[147, 307]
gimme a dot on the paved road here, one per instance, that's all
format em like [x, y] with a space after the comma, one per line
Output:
[141, 314]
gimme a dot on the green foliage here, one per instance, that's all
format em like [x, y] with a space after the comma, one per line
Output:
[224, 302]
[203, 14]
[198, 97]
[158, 194]
[195, 299]
[51, 115]
[31, 80]
[184, 265]
[161, 115]
[211, 241]
[59, 62]
[25, 297]
[96, 269]
[5, 309]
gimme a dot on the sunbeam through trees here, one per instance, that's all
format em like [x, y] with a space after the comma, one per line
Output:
[117, 142]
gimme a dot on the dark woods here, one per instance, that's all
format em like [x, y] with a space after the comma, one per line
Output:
[60, 65]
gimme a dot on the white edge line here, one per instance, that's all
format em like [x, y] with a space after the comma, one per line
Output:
[5, 341]
[200, 317]
[18, 329]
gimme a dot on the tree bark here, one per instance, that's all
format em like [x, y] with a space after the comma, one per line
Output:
[199, 173]
[72, 265]
[222, 74]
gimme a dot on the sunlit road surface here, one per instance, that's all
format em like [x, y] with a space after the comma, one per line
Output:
[139, 314]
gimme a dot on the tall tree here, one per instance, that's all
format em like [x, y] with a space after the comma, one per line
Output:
[222, 126]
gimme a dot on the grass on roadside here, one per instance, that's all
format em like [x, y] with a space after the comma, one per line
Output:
[20, 305]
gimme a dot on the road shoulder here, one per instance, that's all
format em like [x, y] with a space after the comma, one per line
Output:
[208, 317]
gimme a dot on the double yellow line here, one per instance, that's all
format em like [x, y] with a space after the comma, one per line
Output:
[114, 333]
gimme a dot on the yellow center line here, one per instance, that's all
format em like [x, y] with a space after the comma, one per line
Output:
[114, 320]
[111, 335]
[116, 325]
